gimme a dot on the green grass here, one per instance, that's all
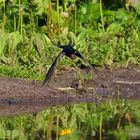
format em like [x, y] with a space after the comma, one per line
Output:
[105, 32]
[28, 31]
[21, 72]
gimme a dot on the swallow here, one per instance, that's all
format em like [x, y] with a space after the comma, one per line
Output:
[70, 52]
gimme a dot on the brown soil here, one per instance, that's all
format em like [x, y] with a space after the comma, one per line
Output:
[18, 96]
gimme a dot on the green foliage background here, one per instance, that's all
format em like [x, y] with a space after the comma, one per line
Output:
[107, 32]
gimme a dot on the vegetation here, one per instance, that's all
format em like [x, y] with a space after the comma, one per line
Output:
[108, 32]
[117, 120]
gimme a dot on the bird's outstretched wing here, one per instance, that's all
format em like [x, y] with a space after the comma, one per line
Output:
[52, 69]
[78, 54]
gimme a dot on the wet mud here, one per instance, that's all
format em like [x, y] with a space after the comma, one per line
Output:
[22, 96]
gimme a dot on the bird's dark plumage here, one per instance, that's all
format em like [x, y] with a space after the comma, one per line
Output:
[69, 51]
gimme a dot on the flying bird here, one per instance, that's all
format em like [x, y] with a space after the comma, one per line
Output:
[70, 52]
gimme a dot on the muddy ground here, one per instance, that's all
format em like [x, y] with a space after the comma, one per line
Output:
[21, 96]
